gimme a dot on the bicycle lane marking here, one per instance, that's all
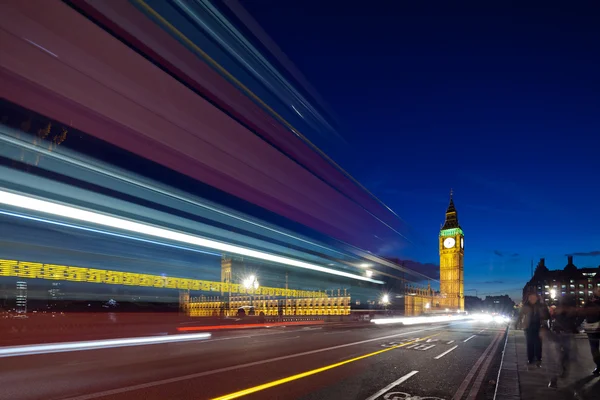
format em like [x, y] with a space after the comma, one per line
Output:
[292, 378]
[393, 384]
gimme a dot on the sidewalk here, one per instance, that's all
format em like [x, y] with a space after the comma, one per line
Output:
[517, 381]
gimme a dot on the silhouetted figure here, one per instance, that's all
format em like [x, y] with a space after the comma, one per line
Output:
[532, 319]
[592, 327]
[564, 325]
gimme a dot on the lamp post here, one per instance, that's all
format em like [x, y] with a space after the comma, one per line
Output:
[385, 300]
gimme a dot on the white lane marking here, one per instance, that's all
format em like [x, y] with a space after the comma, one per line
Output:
[450, 342]
[481, 331]
[31, 349]
[233, 367]
[391, 385]
[469, 338]
[333, 333]
[444, 353]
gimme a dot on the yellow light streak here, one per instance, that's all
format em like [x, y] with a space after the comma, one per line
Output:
[278, 382]
[36, 270]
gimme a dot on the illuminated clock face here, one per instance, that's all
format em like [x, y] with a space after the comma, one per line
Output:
[449, 242]
[462, 243]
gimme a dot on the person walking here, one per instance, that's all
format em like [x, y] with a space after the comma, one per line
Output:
[533, 319]
[564, 325]
[592, 327]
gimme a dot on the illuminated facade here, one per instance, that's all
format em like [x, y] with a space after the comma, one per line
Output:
[418, 301]
[273, 302]
[336, 304]
[451, 245]
[551, 285]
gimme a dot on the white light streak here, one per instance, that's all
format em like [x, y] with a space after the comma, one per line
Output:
[40, 47]
[73, 213]
[14, 351]
[418, 320]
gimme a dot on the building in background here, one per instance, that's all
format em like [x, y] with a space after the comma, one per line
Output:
[21, 297]
[552, 284]
[473, 304]
[499, 304]
[452, 249]
[451, 297]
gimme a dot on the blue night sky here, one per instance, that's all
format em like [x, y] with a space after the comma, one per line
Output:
[500, 104]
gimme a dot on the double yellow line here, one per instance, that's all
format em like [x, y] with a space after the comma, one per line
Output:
[278, 382]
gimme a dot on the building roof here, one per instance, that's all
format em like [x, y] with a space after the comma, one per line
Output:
[451, 216]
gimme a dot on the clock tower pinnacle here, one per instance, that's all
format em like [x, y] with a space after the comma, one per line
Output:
[451, 245]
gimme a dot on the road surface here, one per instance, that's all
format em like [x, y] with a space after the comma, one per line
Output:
[359, 361]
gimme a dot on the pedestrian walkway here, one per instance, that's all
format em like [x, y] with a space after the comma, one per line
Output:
[518, 381]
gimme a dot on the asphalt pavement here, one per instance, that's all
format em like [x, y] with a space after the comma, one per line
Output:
[343, 361]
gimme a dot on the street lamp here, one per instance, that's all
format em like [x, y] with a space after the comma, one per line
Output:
[369, 273]
[251, 282]
[553, 294]
[385, 299]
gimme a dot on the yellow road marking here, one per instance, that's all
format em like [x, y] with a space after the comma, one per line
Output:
[311, 372]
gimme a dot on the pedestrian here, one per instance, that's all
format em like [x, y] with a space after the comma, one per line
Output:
[592, 327]
[564, 325]
[533, 319]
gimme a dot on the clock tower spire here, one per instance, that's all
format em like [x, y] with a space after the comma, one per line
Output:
[451, 242]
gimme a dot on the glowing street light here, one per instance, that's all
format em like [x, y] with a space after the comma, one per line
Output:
[369, 273]
[553, 294]
[428, 306]
[251, 282]
[385, 299]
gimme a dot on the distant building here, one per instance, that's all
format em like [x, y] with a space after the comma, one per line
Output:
[552, 284]
[21, 297]
[499, 304]
[55, 295]
[473, 304]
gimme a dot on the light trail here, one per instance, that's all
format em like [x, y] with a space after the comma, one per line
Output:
[419, 320]
[65, 211]
[83, 228]
[15, 351]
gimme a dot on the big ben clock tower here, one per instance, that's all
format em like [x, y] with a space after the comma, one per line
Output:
[452, 249]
